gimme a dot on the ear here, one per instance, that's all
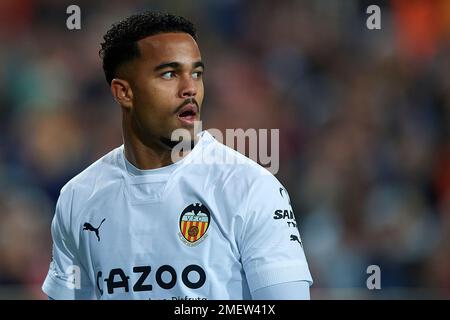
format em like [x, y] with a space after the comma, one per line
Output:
[122, 92]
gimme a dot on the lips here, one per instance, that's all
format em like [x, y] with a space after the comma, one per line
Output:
[188, 113]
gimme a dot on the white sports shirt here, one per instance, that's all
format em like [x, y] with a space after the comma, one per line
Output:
[197, 229]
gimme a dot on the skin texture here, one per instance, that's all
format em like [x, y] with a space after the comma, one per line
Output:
[151, 97]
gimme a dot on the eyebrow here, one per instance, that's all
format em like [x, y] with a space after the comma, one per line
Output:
[177, 65]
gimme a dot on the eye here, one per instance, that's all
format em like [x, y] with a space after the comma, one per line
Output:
[168, 75]
[197, 74]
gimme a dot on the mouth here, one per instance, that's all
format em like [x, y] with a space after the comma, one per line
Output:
[188, 113]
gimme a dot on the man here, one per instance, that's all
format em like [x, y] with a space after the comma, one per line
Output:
[138, 225]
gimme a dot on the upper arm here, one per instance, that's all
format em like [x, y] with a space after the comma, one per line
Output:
[271, 249]
[67, 278]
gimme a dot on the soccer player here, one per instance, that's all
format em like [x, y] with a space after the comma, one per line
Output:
[138, 225]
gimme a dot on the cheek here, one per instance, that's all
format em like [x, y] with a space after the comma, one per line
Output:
[157, 107]
[163, 91]
[154, 98]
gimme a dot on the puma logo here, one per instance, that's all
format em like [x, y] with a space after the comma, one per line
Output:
[295, 238]
[87, 226]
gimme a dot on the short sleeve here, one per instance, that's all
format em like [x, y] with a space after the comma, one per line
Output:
[66, 279]
[271, 246]
[295, 290]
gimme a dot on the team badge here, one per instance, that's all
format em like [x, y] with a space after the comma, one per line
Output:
[194, 222]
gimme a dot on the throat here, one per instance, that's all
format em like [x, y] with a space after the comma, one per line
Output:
[145, 158]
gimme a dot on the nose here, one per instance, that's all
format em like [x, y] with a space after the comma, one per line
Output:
[188, 88]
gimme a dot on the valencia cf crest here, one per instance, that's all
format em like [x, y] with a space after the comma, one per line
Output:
[194, 222]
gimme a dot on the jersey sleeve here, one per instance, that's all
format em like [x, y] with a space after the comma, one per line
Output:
[271, 247]
[66, 279]
[295, 290]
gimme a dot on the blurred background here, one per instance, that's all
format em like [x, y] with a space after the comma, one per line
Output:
[364, 119]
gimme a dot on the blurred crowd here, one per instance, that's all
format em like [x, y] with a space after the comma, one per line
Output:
[364, 119]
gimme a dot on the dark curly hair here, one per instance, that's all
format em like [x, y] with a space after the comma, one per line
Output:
[120, 42]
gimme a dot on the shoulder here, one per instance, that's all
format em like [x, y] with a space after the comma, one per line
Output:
[235, 173]
[103, 172]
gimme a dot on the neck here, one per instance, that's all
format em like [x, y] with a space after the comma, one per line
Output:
[151, 155]
[145, 158]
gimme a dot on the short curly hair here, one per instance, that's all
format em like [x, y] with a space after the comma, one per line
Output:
[120, 42]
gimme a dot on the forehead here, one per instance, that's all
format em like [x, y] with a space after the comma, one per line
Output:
[169, 47]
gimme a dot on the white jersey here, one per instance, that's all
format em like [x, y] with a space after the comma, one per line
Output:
[191, 230]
